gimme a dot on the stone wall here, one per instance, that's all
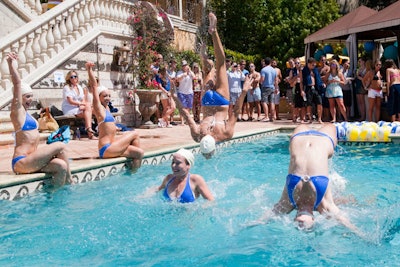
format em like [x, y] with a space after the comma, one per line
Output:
[101, 50]
[184, 40]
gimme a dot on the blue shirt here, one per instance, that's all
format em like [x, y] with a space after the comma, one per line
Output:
[307, 80]
[269, 75]
[165, 84]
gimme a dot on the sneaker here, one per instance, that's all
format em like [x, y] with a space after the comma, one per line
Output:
[162, 123]
[169, 126]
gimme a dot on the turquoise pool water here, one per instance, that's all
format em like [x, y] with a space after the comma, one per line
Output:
[114, 223]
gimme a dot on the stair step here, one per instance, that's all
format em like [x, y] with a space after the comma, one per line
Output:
[6, 125]
[8, 138]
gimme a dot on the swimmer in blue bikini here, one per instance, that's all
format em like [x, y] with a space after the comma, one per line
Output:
[128, 145]
[27, 157]
[217, 125]
[181, 185]
[307, 187]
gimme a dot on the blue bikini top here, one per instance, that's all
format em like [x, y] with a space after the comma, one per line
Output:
[315, 133]
[108, 118]
[29, 124]
[187, 194]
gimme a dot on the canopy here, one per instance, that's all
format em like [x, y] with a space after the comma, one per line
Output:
[339, 29]
[384, 24]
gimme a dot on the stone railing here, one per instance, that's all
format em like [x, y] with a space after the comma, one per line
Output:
[27, 9]
[53, 37]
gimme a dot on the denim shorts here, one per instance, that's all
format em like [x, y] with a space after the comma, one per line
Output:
[254, 95]
[268, 95]
[234, 97]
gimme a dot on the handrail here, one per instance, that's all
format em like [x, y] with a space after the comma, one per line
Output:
[58, 33]
[28, 10]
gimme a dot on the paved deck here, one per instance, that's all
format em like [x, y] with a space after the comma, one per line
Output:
[84, 152]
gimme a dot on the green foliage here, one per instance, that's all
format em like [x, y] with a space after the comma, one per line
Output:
[150, 38]
[188, 55]
[271, 28]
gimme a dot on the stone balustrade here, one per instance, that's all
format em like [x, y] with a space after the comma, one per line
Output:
[27, 9]
[54, 36]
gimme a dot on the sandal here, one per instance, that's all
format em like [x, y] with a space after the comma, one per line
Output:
[91, 134]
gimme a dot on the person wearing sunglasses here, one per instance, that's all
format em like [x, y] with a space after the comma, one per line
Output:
[334, 79]
[76, 101]
[373, 82]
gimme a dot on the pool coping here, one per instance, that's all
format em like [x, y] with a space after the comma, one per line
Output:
[17, 186]
[97, 169]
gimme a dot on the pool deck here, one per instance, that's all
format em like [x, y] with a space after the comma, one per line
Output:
[84, 152]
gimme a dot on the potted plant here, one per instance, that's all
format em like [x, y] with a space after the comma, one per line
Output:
[152, 34]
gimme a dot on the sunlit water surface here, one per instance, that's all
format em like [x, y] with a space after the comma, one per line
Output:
[115, 222]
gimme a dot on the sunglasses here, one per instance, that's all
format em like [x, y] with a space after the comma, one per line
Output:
[297, 63]
[74, 77]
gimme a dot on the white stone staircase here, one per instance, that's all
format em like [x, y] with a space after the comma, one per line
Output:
[56, 35]
[53, 37]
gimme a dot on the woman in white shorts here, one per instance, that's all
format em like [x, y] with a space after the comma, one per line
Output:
[373, 82]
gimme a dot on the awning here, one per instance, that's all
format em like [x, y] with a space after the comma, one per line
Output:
[384, 24]
[339, 29]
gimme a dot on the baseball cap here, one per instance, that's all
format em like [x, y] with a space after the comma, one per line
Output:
[184, 62]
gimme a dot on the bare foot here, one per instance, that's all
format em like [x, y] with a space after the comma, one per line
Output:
[213, 23]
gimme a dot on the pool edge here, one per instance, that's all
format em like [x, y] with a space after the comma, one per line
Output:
[14, 187]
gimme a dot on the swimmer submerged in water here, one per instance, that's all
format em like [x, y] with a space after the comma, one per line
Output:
[181, 185]
[307, 188]
[217, 125]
